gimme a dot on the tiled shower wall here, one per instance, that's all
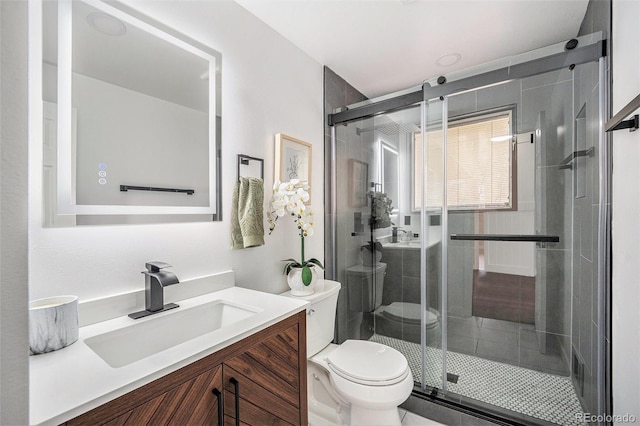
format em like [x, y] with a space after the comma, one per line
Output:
[545, 96]
[586, 207]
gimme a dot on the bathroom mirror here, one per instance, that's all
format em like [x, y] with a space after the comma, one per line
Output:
[131, 116]
[389, 174]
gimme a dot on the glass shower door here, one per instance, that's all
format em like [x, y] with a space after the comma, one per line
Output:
[467, 236]
[517, 170]
[389, 250]
[429, 159]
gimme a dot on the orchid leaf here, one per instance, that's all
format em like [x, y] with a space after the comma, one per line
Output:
[316, 262]
[306, 275]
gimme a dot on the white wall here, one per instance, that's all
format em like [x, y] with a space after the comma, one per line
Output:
[268, 86]
[13, 210]
[626, 214]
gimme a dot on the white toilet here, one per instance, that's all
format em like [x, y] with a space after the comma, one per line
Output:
[355, 383]
[400, 320]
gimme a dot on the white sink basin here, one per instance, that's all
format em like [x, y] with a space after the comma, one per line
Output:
[403, 244]
[154, 334]
[411, 243]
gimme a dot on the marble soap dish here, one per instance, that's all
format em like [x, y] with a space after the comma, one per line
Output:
[53, 323]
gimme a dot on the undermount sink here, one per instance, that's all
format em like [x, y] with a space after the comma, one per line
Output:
[410, 243]
[153, 334]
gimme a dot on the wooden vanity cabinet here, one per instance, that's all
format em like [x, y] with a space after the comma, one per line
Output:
[260, 380]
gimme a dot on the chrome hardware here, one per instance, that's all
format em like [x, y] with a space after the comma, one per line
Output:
[311, 312]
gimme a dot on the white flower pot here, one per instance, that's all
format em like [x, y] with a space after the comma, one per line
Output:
[294, 279]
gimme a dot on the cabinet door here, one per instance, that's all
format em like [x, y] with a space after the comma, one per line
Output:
[195, 402]
[266, 378]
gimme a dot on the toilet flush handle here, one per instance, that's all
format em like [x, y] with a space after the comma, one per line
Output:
[311, 312]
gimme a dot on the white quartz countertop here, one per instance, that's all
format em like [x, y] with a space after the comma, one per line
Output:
[68, 382]
[413, 244]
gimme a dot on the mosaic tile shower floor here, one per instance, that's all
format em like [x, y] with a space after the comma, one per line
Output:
[540, 395]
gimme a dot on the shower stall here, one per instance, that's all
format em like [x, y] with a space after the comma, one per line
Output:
[468, 223]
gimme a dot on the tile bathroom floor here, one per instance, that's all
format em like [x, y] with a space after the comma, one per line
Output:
[411, 419]
[509, 342]
[549, 397]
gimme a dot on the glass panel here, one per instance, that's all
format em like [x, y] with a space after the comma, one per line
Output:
[479, 162]
[430, 202]
[381, 249]
[510, 327]
[355, 170]
[521, 318]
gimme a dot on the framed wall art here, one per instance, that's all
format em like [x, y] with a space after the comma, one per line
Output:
[293, 159]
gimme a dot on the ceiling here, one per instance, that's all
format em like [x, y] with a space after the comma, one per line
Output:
[132, 57]
[383, 46]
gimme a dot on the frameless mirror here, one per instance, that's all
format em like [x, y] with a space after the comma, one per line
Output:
[131, 117]
[389, 174]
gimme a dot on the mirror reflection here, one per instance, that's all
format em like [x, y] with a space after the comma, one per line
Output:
[130, 115]
[389, 176]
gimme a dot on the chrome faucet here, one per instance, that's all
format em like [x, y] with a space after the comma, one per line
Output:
[394, 233]
[155, 280]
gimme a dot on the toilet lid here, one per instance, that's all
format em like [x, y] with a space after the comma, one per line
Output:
[368, 363]
[408, 312]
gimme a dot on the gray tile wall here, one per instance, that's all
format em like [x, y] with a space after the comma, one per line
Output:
[346, 249]
[547, 95]
[586, 206]
[402, 279]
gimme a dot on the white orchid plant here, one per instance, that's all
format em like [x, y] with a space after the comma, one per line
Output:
[289, 198]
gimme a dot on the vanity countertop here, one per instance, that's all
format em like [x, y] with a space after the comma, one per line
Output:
[68, 382]
[412, 244]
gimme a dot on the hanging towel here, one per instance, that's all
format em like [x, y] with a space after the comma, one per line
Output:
[247, 227]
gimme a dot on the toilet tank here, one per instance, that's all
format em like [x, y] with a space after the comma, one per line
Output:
[364, 286]
[321, 315]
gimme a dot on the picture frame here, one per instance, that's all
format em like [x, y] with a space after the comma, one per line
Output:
[358, 181]
[293, 159]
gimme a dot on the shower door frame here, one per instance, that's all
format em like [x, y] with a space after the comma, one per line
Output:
[595, 52]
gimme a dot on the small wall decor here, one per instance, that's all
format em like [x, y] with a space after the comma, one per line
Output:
[358, 179]
[293, 159]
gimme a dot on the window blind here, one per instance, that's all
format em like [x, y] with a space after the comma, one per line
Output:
[479, 164]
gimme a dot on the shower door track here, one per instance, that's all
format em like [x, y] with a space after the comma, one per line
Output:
[567, 59]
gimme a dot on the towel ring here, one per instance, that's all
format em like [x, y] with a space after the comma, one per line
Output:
[244, 161]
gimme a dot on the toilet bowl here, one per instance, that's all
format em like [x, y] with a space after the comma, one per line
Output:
[356, 383]
[401, 320]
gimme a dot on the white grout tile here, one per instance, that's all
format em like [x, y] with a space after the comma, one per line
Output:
[544, 396]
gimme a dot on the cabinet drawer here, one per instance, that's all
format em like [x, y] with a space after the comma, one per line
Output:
[192, 403]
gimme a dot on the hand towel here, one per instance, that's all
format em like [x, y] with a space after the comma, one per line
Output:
[247, 227]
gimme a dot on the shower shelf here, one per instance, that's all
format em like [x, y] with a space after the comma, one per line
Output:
[566, 163]
[507, 237]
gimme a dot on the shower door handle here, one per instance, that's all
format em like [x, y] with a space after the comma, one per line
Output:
[507, 237]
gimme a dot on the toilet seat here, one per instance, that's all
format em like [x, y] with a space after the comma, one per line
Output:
[409, 313]
[368, 363]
